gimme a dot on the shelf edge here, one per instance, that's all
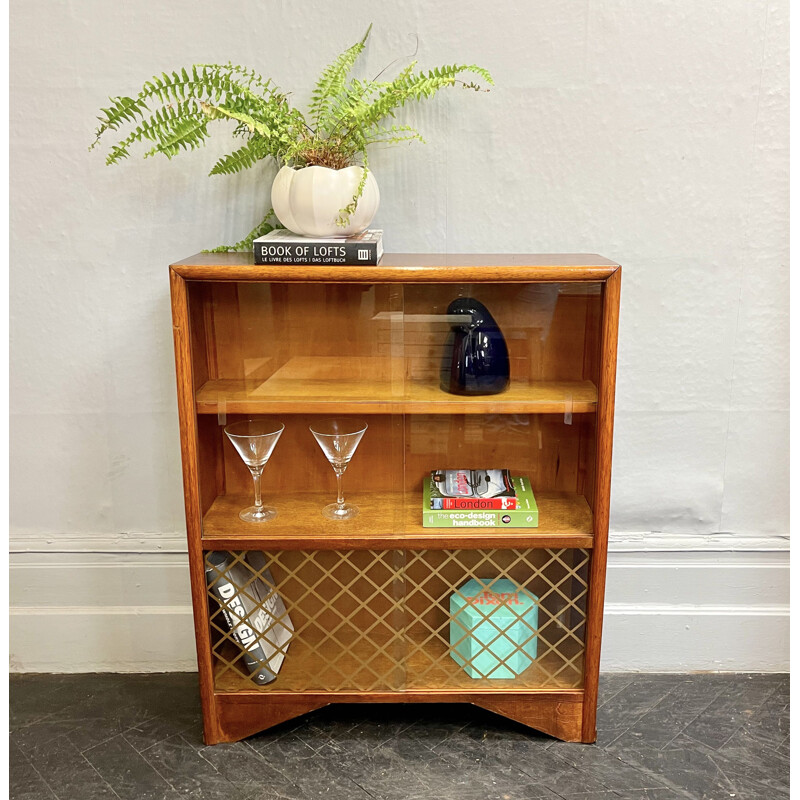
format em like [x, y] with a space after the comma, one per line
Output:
[482, 541]
[568, 695]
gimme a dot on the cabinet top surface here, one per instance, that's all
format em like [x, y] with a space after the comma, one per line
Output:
[406, 268]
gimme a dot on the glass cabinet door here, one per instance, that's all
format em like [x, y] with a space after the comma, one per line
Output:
[541, 429]
[301, 354]
[371, 599]
[543, 424]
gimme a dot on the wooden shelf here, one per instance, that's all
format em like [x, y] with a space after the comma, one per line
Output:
[387, 521]
[307, 385]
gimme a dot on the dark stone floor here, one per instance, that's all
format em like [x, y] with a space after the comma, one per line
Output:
[661, 737]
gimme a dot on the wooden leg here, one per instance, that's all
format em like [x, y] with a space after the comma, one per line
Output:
[556, 717]
[243, 716]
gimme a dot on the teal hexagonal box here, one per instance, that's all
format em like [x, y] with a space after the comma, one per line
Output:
[493, 628]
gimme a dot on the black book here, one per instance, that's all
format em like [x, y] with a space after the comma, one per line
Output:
[284, 247]
[253, 610]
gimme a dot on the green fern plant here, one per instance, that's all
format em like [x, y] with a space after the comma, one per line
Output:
[172, 113]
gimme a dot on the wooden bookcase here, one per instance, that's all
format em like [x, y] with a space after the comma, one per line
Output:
[368, 597]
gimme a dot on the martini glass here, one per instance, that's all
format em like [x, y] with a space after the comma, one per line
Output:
[254, 440]
[339, 439]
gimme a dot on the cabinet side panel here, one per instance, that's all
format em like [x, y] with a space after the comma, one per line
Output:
[189, 453]
[605, 433]
[591, 372]
[223, 310]
[211, 466]
[587, 457]
[201, 329]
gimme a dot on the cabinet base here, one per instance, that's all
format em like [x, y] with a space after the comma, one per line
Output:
[236, 716]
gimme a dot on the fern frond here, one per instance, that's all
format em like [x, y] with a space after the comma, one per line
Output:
[391, 135]
[353, 97]
[168, 126]
[243, 158]
[253, 124]
[331, 82]
[269, 223]
[250, 76]
[345, 213]
[203, 84]
[406, 87]
[184, 134]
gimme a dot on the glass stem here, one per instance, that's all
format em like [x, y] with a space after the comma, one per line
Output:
[339, 496]
[256, 473]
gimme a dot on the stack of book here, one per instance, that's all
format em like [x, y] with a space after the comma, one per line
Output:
[284, 247]
[478, 498]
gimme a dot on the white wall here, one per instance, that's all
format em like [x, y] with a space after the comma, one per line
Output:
[654, 133]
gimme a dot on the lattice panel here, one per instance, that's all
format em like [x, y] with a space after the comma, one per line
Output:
[556, 577]
[380, 620]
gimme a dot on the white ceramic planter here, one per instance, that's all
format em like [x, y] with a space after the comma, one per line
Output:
[307, 200]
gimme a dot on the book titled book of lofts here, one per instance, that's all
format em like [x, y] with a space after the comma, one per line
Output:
[478, 489]
[525, 515]
[284, 247]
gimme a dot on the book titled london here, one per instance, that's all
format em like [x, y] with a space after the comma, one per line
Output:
[472, 489]
[525, 515]
[284, 247]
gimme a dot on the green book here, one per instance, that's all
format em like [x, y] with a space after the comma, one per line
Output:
[525, 515]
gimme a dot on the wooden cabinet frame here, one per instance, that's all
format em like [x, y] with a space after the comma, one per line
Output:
[568, 714]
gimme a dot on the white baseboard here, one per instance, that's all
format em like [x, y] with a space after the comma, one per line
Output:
[667, 610]
[695, 639]
[117, 639]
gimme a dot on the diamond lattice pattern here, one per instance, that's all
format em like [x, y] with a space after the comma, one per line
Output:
[369, 620]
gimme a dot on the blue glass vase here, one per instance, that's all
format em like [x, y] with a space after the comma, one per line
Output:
[475, 357]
